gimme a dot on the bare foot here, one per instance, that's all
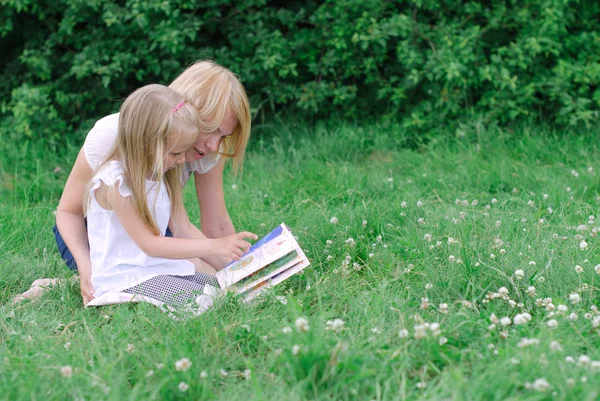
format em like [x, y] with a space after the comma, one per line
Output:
[38, 288]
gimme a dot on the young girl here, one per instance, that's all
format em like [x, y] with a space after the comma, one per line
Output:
[222, 104]
[136, 194]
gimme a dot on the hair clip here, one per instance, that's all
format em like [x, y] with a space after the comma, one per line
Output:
[180, 105]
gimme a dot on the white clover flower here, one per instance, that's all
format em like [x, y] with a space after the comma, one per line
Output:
[419, 203]
[505, 321]
[420, 331]
[183, 365]
[66, 371]
[541, 385]
[286, 330]
[302, 324]
[233, 186]
[335, 325]
[583, 245]
[334, 220]
[503, 291]
[183, 386]
[519, 274]
[428, 237]
[452, 241]
[552, 324]
[403, 333]
[526, 342]
[223, 373]
[515, 361]
[67, 346]
[555, 346]
[443, 308]
[531, 203]
[428, 286]
[295, 349]
[403, 204]
[421, 385]
[597, 269]
[569, 359]
[574, 298]
[282, 299]
[442, 340]
[583, 360]
[532, 263]
[573, 317]
[498, 223]
[595, 366]
[531, 291]
[522, 318]
[494, 201]
[150, 373]
[130, 348]
[203, 374]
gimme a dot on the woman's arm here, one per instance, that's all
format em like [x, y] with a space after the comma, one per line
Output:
[229, 248]
[214, 217]
[70, 223]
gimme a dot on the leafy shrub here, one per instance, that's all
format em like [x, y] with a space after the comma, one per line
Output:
[417, 62]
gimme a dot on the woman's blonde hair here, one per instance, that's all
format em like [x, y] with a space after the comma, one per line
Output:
[212, 89]
[148, 117]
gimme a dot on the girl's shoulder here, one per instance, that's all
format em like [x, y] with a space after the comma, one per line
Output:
[111, 174]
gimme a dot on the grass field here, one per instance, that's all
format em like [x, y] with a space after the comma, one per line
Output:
[463, 269]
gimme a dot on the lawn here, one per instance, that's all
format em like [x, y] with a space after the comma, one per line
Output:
[465, 267]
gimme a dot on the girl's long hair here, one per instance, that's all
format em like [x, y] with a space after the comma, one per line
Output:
[211, 89]
[148, 117]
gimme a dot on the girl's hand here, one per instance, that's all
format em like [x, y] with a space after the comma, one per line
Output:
[233, 246]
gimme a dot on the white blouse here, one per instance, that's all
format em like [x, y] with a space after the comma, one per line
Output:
[101, 138]
[117, 262]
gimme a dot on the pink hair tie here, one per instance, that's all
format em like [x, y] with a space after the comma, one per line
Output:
[180, 105]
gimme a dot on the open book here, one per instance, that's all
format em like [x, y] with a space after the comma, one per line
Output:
[269, 261]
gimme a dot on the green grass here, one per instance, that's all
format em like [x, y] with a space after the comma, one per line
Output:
[361, 176]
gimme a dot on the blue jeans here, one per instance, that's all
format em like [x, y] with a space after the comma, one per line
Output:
[65, 253]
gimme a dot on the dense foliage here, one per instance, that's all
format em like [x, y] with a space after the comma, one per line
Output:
[418, 62]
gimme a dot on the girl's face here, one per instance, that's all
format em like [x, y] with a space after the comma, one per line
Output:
[211, 142]
[176, 151]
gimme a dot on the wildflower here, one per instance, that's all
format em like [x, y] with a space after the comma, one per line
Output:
[150, 373]
[428, 237]
[442, 340]
[583, 360]
[67, 346]
[130, 348]
[295, 349]
[522, 318]
[281, 299]
[203, 374]
[350, 241]
[443, 308]
[286, 330]
[371, 255]
[421, 385]
[333, 220]
[233, 186]
[569, 359]
[223, 373]
[552, 324]
[519, 274]
[574, 298]
[505, 321]
[526, 342]
[403, 204]
[419, 203]
[183, 365]
[66, 371]
[541, 385]
[583, 245]
[403, 333]
[555, 346]
[428, 286]
[159, 366]
[183, 386]
[531, 291]
[494, 201]
[336, 325]
[302, 324]
[597, 269]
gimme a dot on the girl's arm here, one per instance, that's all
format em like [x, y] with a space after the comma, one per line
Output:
[182, 227]
[70, 223]
[214, 217]
[229, 248]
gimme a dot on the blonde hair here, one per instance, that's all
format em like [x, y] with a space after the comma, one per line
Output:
[148, 117]
[212, 89]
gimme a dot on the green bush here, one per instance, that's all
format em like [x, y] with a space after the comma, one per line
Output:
[417, 62]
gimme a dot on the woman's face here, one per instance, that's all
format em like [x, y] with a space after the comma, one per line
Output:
[210, 142]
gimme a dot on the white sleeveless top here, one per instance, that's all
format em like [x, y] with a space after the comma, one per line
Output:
[117, 262]
[101, 138]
